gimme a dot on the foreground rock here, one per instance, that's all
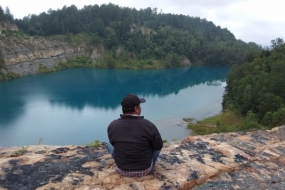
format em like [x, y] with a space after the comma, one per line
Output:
[253, 160]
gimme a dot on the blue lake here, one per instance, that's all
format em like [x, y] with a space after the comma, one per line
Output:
[75, 106]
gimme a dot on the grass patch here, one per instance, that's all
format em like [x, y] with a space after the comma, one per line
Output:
[8, 76]
[200, 129]
[44, 69]
[21, 151]
[40, 141]
[227, 117]
[95, 143]
[228, 121]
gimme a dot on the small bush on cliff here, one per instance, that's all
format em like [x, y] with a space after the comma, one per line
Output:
[272, 119]
[1, 60]
[8, 76]
[21, 151]
[79, 61]
[44, 69]
[251, 122]
[40, 141]
[95, 143]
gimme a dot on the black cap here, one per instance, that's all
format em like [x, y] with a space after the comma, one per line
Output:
[131, 100]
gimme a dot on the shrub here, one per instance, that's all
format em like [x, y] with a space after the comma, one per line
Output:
[95, 143]
[250, 122]
[279, 117]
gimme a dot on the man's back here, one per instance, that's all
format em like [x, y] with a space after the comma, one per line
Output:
[134, 139]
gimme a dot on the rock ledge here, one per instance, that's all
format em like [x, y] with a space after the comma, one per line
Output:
[251, 160]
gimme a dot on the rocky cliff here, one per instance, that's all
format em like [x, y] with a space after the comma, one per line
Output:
[244, 160]
[23, 55]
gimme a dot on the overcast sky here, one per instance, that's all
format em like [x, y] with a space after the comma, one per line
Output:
[258, 21]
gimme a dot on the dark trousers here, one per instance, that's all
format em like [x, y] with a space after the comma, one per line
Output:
[154, 156]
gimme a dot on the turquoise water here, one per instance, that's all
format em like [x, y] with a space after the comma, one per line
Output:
[75, 106]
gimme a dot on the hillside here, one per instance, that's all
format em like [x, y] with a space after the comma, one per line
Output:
[256, 89]
[122, 38]
[145, 32]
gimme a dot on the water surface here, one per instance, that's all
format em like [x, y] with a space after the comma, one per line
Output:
[75, 106]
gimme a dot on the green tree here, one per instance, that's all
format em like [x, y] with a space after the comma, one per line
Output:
[268, 102]
[111, 40]
[277, 42]
[251, 121]
[140, 42]
[2, 14]
[110, 61]
[267, 120]
[1, 60]
[279, 117]
[125, 26]
[99, 27]
[8, 15]
[258, 87]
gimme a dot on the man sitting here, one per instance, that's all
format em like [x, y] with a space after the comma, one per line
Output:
[135, 142]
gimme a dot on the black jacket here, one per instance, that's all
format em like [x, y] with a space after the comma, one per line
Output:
[134, 139]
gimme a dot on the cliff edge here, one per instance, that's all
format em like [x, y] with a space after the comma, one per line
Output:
[244, 160]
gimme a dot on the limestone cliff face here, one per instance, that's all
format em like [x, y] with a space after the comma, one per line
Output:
[24, 55]
[251, 160]
[7, 26]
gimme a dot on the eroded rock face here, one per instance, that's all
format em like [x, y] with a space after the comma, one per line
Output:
[252, 160]
[7, 26]
[24, 55]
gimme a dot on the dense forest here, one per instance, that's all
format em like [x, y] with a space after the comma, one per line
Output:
[256, 89]
[143, 34]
